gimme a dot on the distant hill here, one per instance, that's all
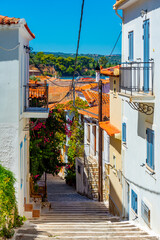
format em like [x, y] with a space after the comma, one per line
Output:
[115, 58]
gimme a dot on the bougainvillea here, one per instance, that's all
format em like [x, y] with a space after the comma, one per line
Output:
[47, 139]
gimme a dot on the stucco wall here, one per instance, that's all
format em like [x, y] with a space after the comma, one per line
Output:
[146, 185]
[13, 74]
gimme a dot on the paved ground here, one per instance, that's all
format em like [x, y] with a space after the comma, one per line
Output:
[58, 190]
[74, 217]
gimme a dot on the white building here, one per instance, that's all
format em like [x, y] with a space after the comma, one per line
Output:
[17, 105]
[87, 177]
[140, 91]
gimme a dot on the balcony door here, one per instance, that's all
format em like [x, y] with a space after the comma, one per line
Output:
[146, 56]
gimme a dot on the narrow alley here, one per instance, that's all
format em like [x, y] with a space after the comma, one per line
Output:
[72, 216]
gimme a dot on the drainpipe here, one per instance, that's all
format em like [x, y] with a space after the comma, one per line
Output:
[118, 15]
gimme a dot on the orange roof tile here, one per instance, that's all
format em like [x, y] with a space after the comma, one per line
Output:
[4, 20]
[93, 112]
[92, 97]
[109, 128]
[87, 86]
[112, 71]
[91, 85]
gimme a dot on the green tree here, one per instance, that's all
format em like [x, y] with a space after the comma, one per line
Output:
[47, 139]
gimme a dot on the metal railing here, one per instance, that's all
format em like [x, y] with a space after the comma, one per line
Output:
[36, 97]
[137, 77]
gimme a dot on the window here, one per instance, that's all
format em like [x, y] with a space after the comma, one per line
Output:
[130, 37]
[150, 148]
[114, 86]
[145, 213]
[124, 132]
[95, 143]
[88, 133]
[102, 141]
[134, 201]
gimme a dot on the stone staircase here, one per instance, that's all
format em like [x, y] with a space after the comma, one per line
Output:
[78, 221]
[92, 172]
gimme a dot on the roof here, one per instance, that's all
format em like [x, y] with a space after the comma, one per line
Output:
[91, 85]
[109, 128]
[4, 20]
[92, 97]
[118, 3]
[112, 71]
[93, 112]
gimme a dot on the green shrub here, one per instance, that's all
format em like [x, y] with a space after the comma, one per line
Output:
[9, 217]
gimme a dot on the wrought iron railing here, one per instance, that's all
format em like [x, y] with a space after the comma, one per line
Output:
[137, 77]
[36, 97]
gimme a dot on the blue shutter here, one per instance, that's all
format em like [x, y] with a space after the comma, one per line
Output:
[134, 201]
[130, 36]
[124, 132]
[146, 57]
[21, 163]
[150, 148]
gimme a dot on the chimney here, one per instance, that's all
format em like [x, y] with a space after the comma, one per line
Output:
[97, 73]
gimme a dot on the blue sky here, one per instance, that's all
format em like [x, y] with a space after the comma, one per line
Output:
[55, 24]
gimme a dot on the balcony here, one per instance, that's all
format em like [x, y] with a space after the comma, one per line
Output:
[36, 101]
[137, 81]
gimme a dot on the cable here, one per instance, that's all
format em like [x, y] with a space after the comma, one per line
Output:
[115, 44]
[75, 63]
[11, 49]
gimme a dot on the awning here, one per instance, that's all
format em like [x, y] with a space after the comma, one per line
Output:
[109, 128]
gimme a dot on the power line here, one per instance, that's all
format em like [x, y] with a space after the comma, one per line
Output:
[75, 63]
[115, 44]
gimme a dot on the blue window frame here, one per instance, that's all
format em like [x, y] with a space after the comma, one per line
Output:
[130, 37]
[124, 132]
[21, 165]
[134, 201]
[150, 148]
[146, 46]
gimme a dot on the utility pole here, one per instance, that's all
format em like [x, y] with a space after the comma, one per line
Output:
[100, 164]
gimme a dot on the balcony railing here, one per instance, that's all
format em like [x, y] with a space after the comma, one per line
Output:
[36, 98]
[137, 77]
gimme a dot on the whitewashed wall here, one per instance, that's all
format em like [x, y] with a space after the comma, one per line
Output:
[12, 124]
[134, 153]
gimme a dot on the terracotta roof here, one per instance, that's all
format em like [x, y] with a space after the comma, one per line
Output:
[93, 112]
[109, 128]
[87, 86]
[91, 85]
[118, 3]
[92, 97]
[4, 20]
[112, 71]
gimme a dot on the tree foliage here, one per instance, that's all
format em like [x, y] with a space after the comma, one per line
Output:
[9, 217]
[64, 66]
[75, 131]
[47, 139]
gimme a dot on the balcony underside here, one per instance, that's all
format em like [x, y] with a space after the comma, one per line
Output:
[137, 97]
[36, 112]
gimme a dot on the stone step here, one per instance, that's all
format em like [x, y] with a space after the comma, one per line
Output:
[81, 233]
[50, 237]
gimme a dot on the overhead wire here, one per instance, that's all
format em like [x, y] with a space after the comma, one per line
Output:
[75, 63]
[115, 44]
